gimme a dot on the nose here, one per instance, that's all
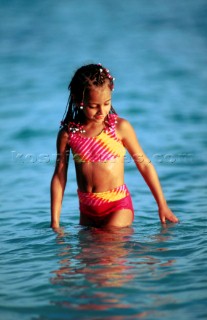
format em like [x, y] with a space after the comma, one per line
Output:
[101, 109]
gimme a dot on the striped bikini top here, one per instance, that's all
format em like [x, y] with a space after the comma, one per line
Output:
[104, 147]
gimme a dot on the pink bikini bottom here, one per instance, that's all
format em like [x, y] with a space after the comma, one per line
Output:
[103, 203]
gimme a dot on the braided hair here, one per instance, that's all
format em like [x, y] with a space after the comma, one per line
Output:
[84, 79]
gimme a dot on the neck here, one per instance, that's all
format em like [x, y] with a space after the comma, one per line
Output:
[92, 129]
[94, 124]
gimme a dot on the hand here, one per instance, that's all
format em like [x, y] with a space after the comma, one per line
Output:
[59, 230]
[166, 214]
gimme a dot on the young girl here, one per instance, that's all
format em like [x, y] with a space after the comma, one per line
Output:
[99, 139]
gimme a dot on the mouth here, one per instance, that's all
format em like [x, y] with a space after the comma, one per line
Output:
[99, 117]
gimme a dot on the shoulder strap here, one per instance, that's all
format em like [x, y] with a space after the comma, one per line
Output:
[111, 122]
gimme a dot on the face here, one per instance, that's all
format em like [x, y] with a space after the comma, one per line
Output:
[98, 103]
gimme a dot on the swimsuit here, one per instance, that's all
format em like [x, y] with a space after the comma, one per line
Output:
[100, 204]
[102, 148]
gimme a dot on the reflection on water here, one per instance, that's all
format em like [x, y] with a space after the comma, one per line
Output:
[101, 257]
[103, 268]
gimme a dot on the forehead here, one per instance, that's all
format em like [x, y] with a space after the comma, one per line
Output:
[97, 93]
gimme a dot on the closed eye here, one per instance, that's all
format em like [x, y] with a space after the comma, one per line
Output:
[92, 107]
[95, 107]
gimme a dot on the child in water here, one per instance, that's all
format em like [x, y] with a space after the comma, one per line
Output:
[99, 138]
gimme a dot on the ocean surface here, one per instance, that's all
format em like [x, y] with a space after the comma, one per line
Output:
[157, 51]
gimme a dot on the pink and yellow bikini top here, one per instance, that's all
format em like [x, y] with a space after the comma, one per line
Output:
[104, 147]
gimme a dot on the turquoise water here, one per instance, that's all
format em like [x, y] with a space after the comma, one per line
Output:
[157, 51]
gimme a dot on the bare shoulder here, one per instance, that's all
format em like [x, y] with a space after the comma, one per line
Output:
[124, 128]
[63, 134]
[127, 134]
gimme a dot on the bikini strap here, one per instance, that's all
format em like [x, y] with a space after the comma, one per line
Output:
[111, 122]
[75, 127]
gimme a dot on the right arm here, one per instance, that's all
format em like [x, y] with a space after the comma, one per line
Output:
[59, 178]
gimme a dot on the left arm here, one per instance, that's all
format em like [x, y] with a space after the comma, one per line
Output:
[146, 169]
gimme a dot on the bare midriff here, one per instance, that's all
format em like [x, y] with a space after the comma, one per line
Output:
[109, 173]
